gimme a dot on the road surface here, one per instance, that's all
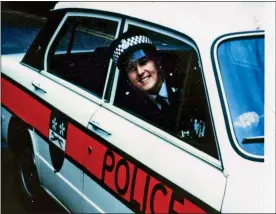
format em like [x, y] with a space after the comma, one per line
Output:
[10, 202]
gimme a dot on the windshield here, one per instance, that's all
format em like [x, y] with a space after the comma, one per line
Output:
[241, 63]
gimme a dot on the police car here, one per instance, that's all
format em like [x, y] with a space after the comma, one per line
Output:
[62, 115]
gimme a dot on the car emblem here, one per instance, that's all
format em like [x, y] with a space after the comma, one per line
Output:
[58, 130]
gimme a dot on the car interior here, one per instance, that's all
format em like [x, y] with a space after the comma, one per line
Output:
[88, 70]
[182, 71]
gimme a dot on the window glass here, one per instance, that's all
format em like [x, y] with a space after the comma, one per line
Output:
[161, 41]
[63, 43]
[241, 63]
[18, 31]
[86, 39]
[79, 53]
[186, 115]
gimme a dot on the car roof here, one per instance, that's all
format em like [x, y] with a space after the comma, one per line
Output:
[201, 21]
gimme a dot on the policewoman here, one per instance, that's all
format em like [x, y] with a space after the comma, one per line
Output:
[151, 97]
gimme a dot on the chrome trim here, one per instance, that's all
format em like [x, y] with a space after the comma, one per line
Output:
[110, 62]
[28, 66]
[114, 86]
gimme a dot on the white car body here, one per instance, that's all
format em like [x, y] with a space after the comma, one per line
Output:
[229, 184]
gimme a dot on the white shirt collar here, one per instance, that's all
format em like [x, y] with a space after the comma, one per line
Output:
[163, 92]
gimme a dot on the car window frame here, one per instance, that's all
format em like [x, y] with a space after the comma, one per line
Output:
[34, 57]
[65, 83]
[217, 163]
[222, 94]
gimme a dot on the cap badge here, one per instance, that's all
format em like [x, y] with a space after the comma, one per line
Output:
[125, 44]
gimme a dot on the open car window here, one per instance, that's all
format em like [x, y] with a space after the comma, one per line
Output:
[189, 118]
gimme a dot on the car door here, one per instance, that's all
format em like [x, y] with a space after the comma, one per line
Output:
[72, 85]
[134, 164]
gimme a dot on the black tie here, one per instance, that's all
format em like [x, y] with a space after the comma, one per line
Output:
[163, 103]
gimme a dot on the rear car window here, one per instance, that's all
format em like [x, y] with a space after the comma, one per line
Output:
[79, 53]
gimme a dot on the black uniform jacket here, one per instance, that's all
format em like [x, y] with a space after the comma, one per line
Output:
[141, 105]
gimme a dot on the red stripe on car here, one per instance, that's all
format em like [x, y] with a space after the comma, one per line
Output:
[26, 107]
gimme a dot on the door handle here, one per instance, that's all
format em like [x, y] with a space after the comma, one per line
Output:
[96, 125]
[37, 86]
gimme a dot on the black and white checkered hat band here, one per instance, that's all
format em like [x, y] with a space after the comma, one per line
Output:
[129, 42]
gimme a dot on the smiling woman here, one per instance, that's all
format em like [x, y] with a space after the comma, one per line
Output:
[165, 86]
[103, 144]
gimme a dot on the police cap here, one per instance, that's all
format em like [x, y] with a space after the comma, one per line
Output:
[131, 46]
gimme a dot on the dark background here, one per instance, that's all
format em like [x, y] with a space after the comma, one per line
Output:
[35, 8]
[18, 30]
[20, 24]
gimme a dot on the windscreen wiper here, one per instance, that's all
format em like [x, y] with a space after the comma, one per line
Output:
[256, 139]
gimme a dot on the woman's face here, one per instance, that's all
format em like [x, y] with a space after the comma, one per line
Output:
[143, 74]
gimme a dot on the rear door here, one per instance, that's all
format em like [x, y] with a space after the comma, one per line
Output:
[134, 164]
[72, 85]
